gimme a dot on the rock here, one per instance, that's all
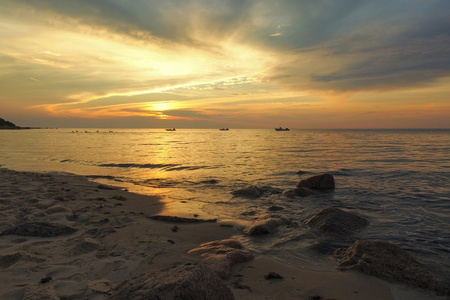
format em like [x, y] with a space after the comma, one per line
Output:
[39, 229]
[211, 181]
[272, 275]
[106, 187]
[220, 256]
[299, 192]
[45, 279]
[315, 297]
[388, 262]
[275, 208]
[290, 193]
[249, 213]
[256, 191]
[190, 282]
[174, 219]
[318, 182]
[304, 192]
[267, 224]
[336, 221]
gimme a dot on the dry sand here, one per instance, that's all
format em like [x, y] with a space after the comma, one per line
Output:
[116, 240]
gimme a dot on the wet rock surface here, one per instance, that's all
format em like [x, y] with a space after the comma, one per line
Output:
[388, 262]
[190, 282]
[267, 224]
[333, 220]
[319, 182]
[221, 256]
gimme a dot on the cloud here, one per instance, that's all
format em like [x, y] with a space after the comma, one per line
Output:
[383, 54]
[111, 57]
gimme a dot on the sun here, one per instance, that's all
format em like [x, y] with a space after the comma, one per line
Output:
[160, 106]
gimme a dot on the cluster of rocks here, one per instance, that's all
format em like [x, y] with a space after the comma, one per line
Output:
[377, 258]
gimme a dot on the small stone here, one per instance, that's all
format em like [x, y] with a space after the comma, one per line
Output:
[46, 279]
[273, 275]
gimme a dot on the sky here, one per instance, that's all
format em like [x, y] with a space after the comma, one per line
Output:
[225, 63]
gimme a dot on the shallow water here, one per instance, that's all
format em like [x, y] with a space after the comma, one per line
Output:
[398, 179]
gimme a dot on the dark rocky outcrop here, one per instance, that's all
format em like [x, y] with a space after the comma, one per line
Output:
[190, 282]
[221, 256]
[39, 229]
[319, 182]
[174, 219]
[256, 191]
[267, 224]
[336, 221]
[7, 125]
[388, 262]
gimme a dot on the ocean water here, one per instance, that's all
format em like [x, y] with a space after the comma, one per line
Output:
[397, 179]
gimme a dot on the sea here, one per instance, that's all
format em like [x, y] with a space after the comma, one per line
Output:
[397, 179]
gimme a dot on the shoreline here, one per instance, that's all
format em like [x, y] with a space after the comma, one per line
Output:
[115, 240]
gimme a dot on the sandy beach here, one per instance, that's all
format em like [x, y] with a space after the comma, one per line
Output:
[104, 236]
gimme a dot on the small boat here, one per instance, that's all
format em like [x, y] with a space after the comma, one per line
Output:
[170, 129]
[282, 129]
[223, 129]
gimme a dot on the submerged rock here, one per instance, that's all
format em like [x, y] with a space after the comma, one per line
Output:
[222, 255]
[388, 262]
[304, 192]
[299, 192]
[254, 191]
[318, 182]
[267, 224]
[39, 229]
[190, 282]
[336, 221]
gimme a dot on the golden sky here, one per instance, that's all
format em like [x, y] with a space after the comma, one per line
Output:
[233, 63]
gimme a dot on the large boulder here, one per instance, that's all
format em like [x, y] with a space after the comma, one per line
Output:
[190, 282]
[319, 182]
[336, 221]
[220, 256]
[388, 262]
[267, 224]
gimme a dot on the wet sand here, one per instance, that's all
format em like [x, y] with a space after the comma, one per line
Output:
[115, 240]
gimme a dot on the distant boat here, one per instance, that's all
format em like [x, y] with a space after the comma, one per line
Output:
[282, 129]
[224, 129]
[170, 129]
